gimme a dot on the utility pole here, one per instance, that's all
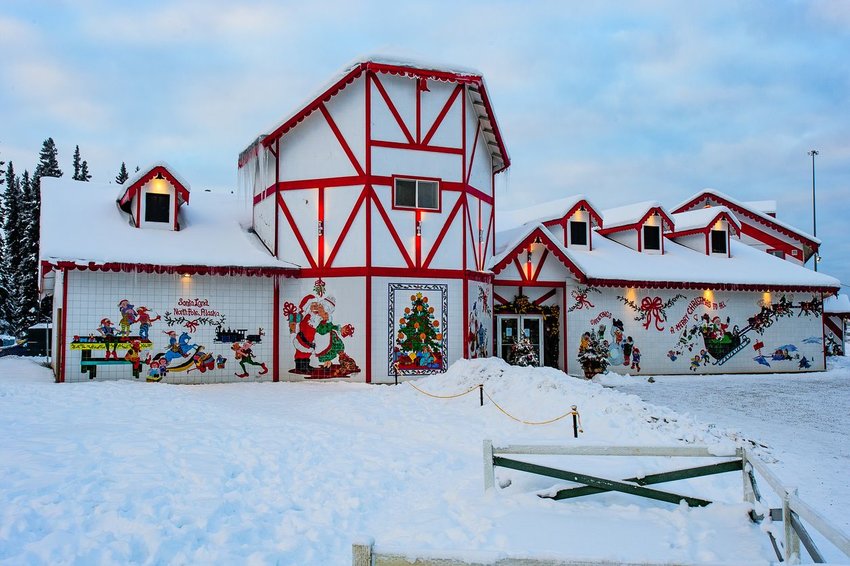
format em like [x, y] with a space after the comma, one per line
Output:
[813, 153]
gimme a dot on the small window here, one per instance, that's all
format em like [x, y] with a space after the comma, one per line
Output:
[157, 207]
[416, 193]
[578, 233]
[718, 241]
[652, 238]
[778, 253]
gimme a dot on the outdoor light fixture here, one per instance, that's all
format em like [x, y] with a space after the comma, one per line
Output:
[321, 228]
[159, 177]
[418, 229]
[813, 153]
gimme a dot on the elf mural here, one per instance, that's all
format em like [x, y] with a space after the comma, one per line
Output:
[417, 327]
[480, 317]
[316, 337]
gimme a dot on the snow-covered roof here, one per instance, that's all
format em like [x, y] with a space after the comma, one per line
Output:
[753, 211]
[629, 214]
[766, 206]
[610, 261]
[81, 223]
[543, 212]
[700, 218]
[382, 64]
[839, 304]
[163, 170]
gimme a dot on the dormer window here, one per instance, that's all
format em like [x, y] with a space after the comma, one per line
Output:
[652, 238]
[718, 242]
[157, 207]
[578, 233]
[421, 194]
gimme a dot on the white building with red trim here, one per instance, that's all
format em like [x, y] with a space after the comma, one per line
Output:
[364, 246]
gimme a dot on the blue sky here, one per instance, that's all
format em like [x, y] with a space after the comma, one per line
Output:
[620, 101]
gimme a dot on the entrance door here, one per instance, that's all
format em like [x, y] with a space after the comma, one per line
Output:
[512, 327]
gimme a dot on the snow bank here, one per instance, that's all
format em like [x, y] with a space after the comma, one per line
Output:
[293, 473]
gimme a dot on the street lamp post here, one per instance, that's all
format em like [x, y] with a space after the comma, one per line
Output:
[813, 153]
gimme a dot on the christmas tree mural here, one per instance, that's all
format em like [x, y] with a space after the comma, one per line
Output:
[420, 338]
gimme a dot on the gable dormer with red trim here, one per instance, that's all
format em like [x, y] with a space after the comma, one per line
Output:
[638, 226]
[707, 230]
[577, 225]
[759, 229]
[153, 198]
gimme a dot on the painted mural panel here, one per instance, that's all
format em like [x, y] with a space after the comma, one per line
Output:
[417, 330]
[170, 328]
[479, 340]
[319, 341]
[681, 332]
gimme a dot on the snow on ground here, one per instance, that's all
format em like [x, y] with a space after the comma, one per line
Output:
[292, 473]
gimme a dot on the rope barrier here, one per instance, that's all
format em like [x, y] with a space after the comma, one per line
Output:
[443, 396]
[572, 412]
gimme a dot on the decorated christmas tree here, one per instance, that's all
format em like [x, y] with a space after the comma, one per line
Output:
[419, 337]
[523, 353]
[593, 353]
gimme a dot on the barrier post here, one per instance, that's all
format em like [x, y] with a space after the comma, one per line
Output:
[481, 394]
[575, 421]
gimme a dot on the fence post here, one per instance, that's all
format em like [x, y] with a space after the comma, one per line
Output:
[792, 541]
[489, 472]
[361, 555]
[749, 494]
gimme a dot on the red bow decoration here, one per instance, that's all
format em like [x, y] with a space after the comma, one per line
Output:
[581, 300]
[650, 308]
[289, 308]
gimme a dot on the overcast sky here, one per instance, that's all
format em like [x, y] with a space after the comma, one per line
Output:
[622, 101]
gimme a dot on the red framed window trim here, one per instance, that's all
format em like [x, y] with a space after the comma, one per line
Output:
[417, 178]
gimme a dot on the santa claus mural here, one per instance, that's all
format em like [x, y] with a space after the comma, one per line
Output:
[318, 340]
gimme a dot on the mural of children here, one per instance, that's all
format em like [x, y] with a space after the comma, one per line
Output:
[628, 345]
[694, 363]
[178, 347]
[220, 361]
[426, 358]
[635, 358]
[133, 357]
[244, 355]
[128, 316]
[153, 371]
[145, 321]
[110, 337]
[673, 355]
[703, 354]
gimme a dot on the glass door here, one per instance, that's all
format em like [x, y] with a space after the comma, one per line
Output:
[508, 333]
[532, 328]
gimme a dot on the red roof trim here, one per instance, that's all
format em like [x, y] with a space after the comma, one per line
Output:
[635, 225]
[130, 192]
[171, 269]
[582, 203]
[550, 245]
[749, 214]
[709, 226]
[711, 286]
[461, 78]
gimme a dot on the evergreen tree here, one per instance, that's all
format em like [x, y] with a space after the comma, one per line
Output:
[523, 353]
[84, 172]
[4, 296]
[77, 163]
[26, 304]
[48, 161]
[10, 268]
[122, 174]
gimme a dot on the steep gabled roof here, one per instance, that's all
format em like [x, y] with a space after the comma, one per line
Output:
[702, 219]
[742, 210]
[473, 79]
[134, 184]
[546, 212]
[512, 242]
[632, 216]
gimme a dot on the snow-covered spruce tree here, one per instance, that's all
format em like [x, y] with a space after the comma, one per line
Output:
[48, 161]
[27, 306]
[122, 174]
[84, 172]
[523, 353]
[77, 164]
[3, 293]
[11, 256]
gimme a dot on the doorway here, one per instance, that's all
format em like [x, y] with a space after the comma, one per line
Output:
[512, 327]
